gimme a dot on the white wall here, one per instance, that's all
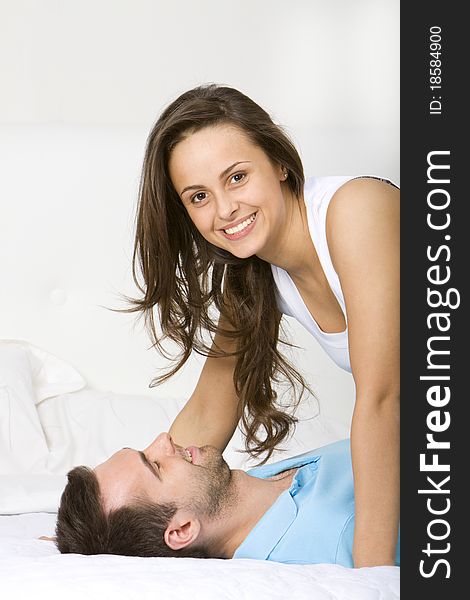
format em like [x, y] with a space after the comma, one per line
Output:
[82, 84]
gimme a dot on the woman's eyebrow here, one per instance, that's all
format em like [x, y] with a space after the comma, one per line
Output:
[221, 176]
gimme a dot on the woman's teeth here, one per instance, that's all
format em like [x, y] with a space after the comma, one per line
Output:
[241, 226]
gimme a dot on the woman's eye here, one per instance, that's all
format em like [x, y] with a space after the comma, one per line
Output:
[240, 176]
[197, 197]
[201, 196]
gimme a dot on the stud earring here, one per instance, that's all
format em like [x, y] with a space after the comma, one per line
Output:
[285, 174]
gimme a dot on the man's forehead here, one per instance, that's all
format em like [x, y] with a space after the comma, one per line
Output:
[119, 478]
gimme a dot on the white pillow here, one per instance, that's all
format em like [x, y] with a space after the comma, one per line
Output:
[50, 422]
[28, 375]
[23, 445]
[87, 426]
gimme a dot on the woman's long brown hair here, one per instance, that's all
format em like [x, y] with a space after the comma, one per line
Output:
[184, 275]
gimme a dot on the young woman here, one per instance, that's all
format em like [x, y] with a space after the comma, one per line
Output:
[226, 220]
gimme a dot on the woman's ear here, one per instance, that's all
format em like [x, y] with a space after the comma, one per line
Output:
[281, 171]
[182, 531]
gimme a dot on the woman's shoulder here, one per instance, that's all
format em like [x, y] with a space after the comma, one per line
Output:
[362, 193]
[358, 208]
[330, 197]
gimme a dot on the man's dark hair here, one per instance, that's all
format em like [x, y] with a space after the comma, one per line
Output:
[137, 529]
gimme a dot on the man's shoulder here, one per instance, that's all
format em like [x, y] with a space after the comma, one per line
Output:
[308, 523]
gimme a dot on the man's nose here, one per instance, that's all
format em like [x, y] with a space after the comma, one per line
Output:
[163, 443]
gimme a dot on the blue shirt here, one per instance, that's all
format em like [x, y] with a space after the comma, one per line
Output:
[312, 521]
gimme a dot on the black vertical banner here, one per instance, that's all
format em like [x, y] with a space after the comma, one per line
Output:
[435, 251]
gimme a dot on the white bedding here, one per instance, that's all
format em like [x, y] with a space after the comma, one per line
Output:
[33, 568]
[49, 422]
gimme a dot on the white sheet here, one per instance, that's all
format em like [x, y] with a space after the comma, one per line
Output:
[49, 423]
[33, 568]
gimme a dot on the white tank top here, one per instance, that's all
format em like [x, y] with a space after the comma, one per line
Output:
[318, 192]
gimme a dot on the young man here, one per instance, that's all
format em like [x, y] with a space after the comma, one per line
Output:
[171, 501]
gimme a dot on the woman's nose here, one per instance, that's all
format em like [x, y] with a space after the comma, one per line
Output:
[226, 207]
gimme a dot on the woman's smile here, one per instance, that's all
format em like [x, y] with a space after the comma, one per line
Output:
[240, 228]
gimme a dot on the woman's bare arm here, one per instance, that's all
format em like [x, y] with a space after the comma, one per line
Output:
[211, 414]
[363, 234]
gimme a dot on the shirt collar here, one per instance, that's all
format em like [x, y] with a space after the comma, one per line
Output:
[262, 539]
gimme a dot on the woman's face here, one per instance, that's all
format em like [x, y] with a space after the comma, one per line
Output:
[233, 193]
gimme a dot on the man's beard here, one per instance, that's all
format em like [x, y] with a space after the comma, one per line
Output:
[212, 492]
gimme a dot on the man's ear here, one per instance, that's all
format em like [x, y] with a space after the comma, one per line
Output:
[182, 531]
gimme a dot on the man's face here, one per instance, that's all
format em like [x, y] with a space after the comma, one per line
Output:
[197, 479]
